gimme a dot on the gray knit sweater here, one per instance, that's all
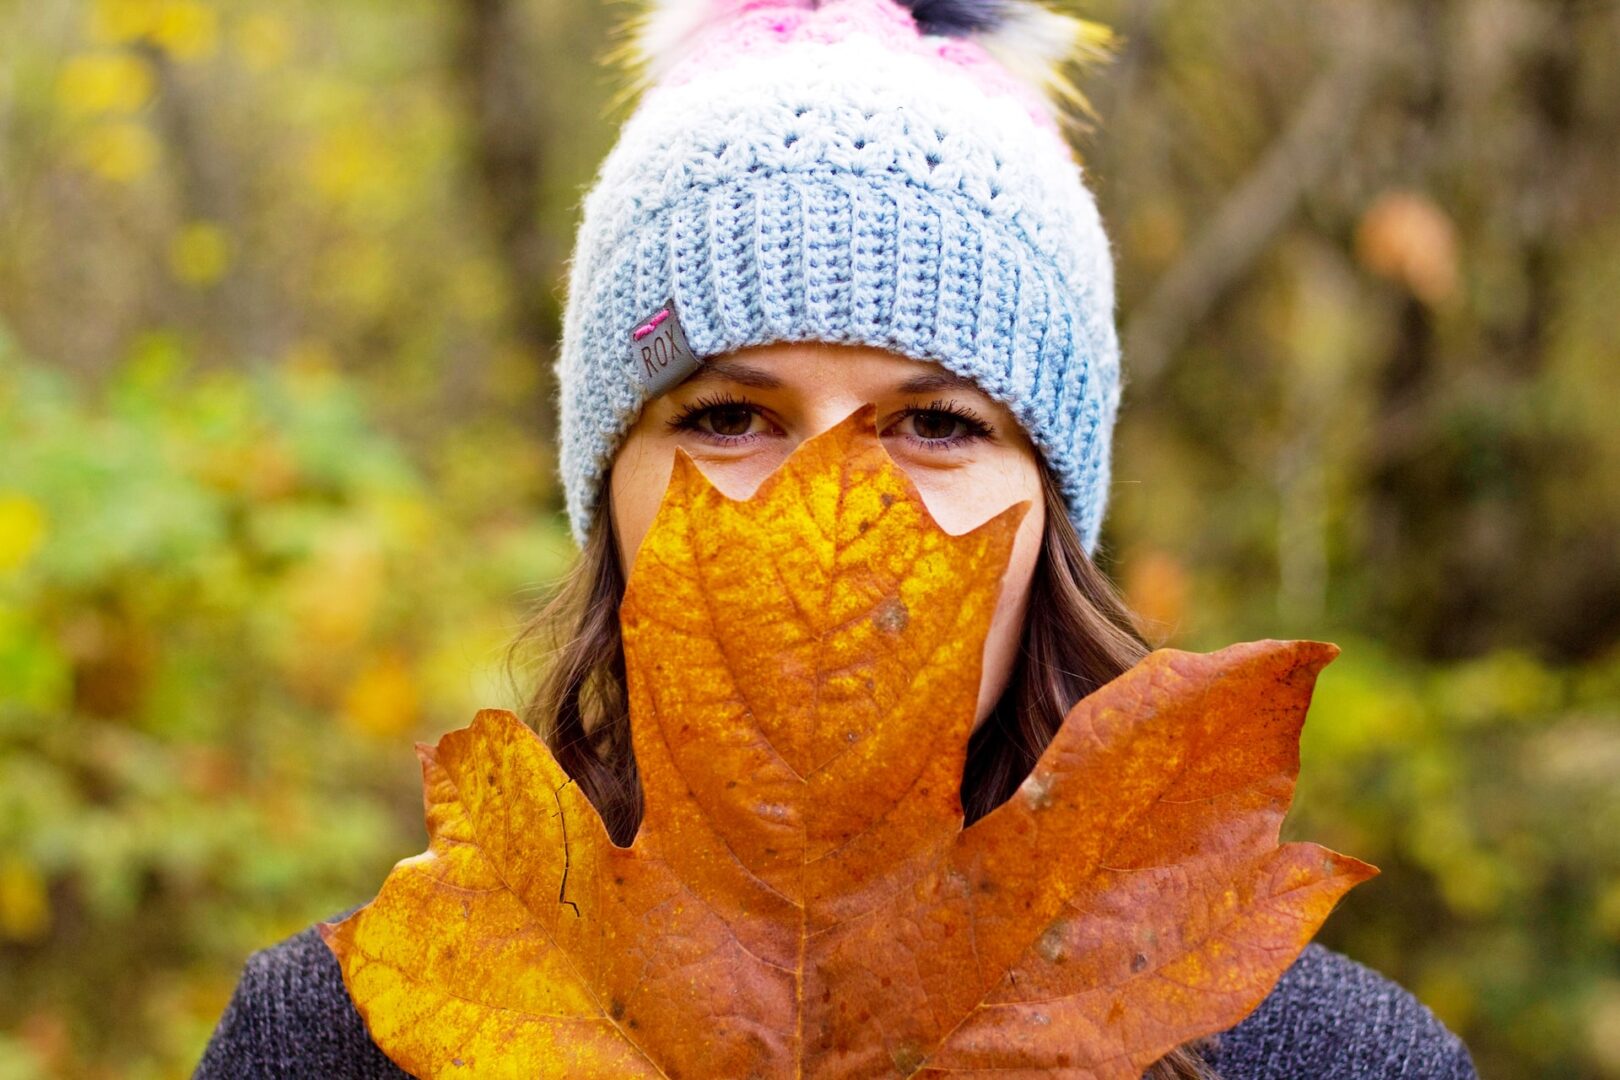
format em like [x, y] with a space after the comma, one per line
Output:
[1328, 1018]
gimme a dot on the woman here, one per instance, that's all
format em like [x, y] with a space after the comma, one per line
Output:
[816, 207]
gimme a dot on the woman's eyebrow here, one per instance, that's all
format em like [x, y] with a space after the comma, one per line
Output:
[937, 380]
[736, 372]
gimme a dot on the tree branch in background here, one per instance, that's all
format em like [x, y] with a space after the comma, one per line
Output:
[239, 310]
[497, 74]
[1262, 204]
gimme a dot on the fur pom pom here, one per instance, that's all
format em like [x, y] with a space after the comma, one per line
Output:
[651, 39]
[1036, 44]
[1032, 41]
[957, 18]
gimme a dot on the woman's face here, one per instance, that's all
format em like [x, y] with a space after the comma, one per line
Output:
[740, 415]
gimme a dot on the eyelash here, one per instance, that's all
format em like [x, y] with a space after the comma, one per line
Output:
[689, 417]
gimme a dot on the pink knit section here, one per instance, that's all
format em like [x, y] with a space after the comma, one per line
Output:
[754, 28]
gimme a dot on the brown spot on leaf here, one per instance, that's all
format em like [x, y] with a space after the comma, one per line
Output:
[907, 1059]
[891, 616]
[1050, 943]
[1037, 791]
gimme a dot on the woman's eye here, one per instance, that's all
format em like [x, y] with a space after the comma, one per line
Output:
[932, 425]
[941, 428]
[728, 420]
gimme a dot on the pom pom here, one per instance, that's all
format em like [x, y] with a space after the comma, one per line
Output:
[653, 37]
[957, 18]
[1034, 43]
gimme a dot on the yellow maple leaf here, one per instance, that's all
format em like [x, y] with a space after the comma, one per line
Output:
[801, 898]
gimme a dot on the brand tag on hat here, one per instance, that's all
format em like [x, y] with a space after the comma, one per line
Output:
[659, 351]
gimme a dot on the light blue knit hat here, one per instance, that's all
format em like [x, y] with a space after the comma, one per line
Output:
[857, 171]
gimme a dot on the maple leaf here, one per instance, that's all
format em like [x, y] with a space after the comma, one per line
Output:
[801, 898]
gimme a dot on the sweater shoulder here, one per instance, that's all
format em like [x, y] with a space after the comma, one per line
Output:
[291, 1016]
[1332, 1018]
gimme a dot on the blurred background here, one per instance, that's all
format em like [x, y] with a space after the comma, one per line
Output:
[279, 288]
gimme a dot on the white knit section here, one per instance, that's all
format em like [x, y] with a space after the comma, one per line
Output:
[905, 108]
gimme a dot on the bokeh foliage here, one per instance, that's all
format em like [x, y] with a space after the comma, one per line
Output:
[227, 604]
[279, 284]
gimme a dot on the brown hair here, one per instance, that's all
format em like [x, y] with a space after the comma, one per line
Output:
[1078, 635]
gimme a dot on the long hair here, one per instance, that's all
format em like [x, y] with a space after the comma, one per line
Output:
[1078, 634]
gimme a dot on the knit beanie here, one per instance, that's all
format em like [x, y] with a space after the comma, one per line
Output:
[891, 174]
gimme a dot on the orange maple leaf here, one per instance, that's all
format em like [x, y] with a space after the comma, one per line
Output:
[801, 898]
